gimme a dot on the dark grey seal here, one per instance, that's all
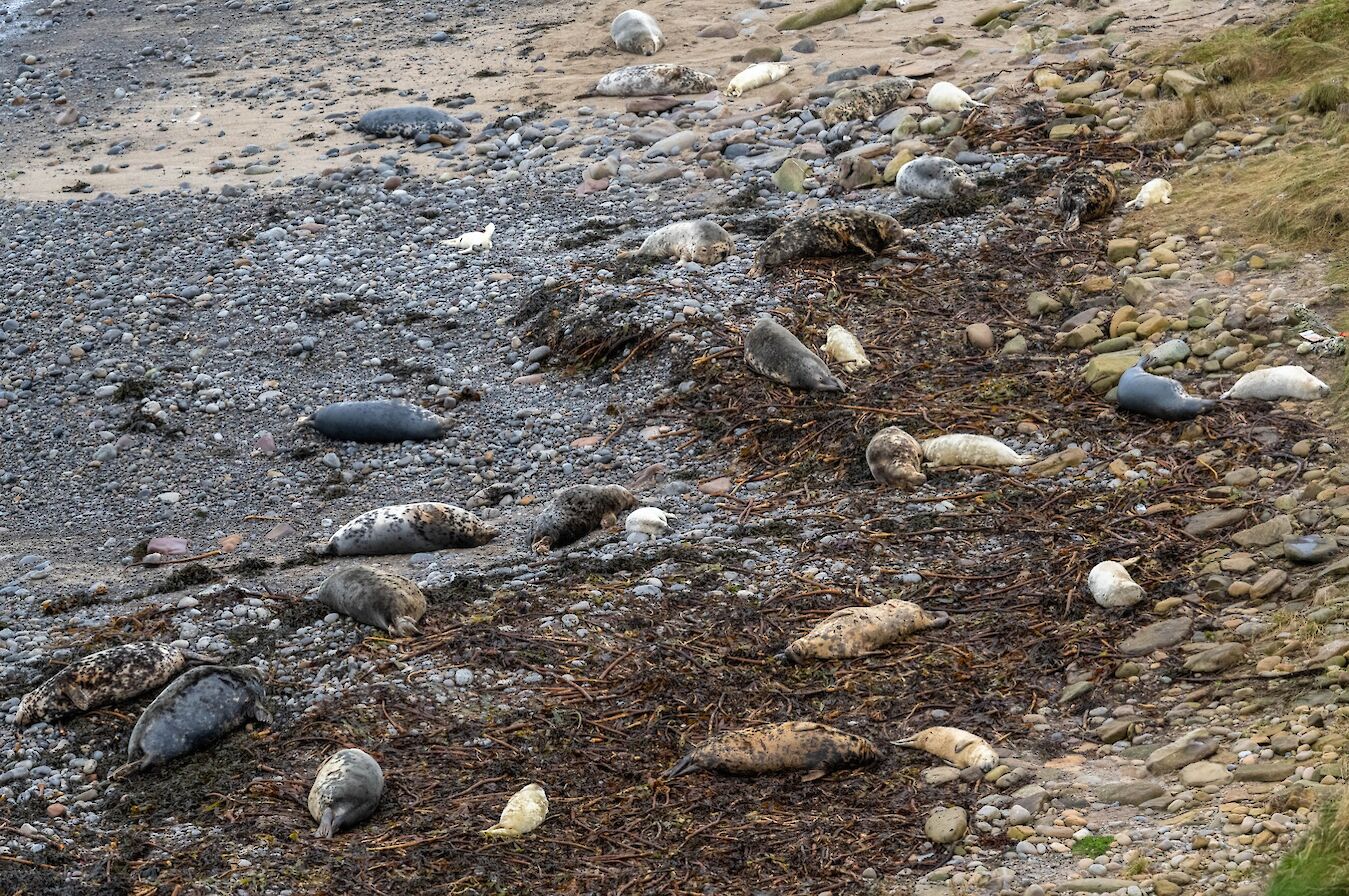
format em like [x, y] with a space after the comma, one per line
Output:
[575, 512]
[375, 421]
[1157, 396]
[201, 706]
[409, 121]
[771, 350]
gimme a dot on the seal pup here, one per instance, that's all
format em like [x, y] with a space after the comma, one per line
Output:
[843, 347]
[965, 450]
[473, 241]
[957, 746]
[1111, 585]
[201, 706]
[633, 31]
[933, 177]
[346, 791]
[788, 746]
[575, 512]
[757, 75]
[895, 458]
[382, 599]
[653, 79]
[105, 677]
[1157, 396]
[705, 242]
[839, 231]
[854, 631]
[650, 521]
[1277, 384]
[946, 97]
[1155, 192]
[524, 812]
[409, 121]
[407, 529]
[771, 350]
[866, 103]
[375, 421]
[1087, 194]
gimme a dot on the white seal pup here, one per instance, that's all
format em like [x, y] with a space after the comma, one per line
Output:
[705, 242]
[757, 75]
[650, 521]
[771, 350]
[409, 528]
[633, 31]
[575, 512]
[1157, 396]
[346, 791]
[946, 97]
[524, 812]
[473, 241]
[1155, 192]
[965, 450]
[382, 599]
[854, 631]
[933, 177]
[105, 677]
[653, 79]
[1111, 585]
[201, 706]
[375, 421]
[1277, 384]
[955, 745]
[788, 746]
[895, 458]
[843, 347]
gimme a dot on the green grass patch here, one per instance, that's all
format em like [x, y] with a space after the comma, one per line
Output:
[1092, 847]
[1319, 866]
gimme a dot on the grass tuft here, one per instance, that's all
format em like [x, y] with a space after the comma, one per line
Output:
[1320, 864]
[1092, 847]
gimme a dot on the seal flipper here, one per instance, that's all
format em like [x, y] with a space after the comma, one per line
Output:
[78, 696]
[200, 659]
[404, 627]
[685, 766]
[327, 823]
[814, 774]
[262, 712]
[130, 768]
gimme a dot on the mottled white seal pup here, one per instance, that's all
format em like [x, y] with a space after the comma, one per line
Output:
[375, 421]
[382, 599]
[346, 791]
[788, 746]
[108, 676]
[772, 351]
[933, 177]
[895, 458]
[1086, 195]
[705, 242]
[653, 79]
[524, 812]
[1278, 384]
[957, 746]
[633, 31]
[575, 512]
[409, 528]
[854, 631]
[201, 706]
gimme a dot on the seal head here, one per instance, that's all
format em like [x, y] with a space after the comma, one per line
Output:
[895, 458]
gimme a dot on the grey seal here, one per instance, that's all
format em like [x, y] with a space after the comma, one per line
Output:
[409, 121]
[409, 528]
[653, 79]
[827, 233]
[702, 241]
[108, 676]
[634, 31]
[1087, 194]
[771, 350]
[1157, 396]
[382, 599]
[346, 791]
[865, 103]
[575, 512]
[375, 421]
[895, 458]
[199, 707]
[933, 177]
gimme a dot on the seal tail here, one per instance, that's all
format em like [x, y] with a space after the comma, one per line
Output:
[201, 659]
[685, 766]
[939, 620]
[327, 823]
[125, 771]
[499, 830]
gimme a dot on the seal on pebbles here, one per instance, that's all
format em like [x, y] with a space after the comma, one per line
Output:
[1157, 396]
[653, 79]
[375, 421]
[200, 706]
[575, 512]
[1278, 384]
[933, 177]
[865, 103]
[410, 121]
[108, 676]
[854, 631]
[772, 351]
[346, 791]
[757, 75]
[788, 746]
[375, 597]
[833, 232]
[704, 242]
[1087, 194]
[895, 458]
[965, 450]
[957, 746]
[407, 529]
[633, 31]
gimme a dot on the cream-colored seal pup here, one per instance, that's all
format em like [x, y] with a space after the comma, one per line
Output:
[1278, 384]
[633, 31]
[1111, 585]
[473, 241]
[854, 631]
[757, 75]
[346, 791]
[957, 746]
[524, 812]
[965, 450]
[946, 97]
[843, 347]
[1155, 192]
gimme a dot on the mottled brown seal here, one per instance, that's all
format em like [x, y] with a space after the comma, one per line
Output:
[346, 791]
[895, 458]
[772, 351]
[407, 529]
[653, 79]
[1086, 194]
[575, 512]
[789, 746]
[840, 231]
[375, 597]
[865, 103]
[854, 631]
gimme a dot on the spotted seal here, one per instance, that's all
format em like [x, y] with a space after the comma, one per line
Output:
[1086, 194]
[933, 177]
[410, 121]
[827, 233]
[346, 791]
[957, 746]
[772, 351]
[854, 631]
[201, 706]
[895, 458]
[865, 103]
[1157, 396]
[575, 512]
[108, 676]
[788, 746]
[705, 242]
[653, 79]
[407, 529]
[375, 421]
[382, 599]
[634, 31]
